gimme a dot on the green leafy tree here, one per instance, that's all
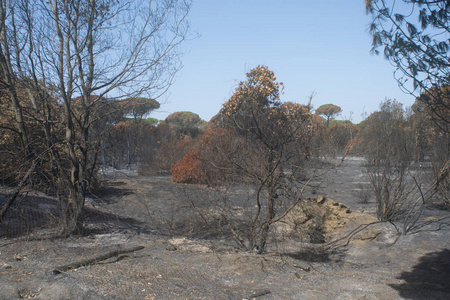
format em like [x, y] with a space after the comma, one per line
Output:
[413, 35]
[329, 111]
[138, 107]
[151, 121]
[185, 123]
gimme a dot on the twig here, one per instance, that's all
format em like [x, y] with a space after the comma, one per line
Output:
[258, 294]
[95, 260]
[305, 269]
[299, 196]
[194, 207]
[334, 245]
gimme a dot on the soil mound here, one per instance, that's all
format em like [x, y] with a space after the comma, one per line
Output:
[319, 220]
[184, 244]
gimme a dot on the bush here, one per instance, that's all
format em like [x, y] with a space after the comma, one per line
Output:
[215, 159]
[188, 169]
[166, 156]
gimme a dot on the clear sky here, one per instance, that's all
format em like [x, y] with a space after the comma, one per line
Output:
[312, 46]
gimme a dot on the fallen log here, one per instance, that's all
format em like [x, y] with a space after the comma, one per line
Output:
[94, 260]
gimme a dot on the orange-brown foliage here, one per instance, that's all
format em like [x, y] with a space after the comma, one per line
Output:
[188, 169]
[351, 145]
[209, 161]
[211, 135]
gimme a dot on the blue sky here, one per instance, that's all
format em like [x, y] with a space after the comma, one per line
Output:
[312, 46]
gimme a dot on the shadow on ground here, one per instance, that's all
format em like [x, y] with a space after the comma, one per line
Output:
[429, 279]
[42, 217]
[27, 214]
[101, 222]
[111, 191]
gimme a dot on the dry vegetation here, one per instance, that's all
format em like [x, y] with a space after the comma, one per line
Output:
[319, 251]
[247, 211]
[251, 192]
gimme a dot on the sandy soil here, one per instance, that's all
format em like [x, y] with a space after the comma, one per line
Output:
[182, 261]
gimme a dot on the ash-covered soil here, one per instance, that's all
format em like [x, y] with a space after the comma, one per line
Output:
[185, 258]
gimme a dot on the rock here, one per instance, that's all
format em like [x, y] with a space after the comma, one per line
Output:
[321, 199]
[368, 234]
[184, 244]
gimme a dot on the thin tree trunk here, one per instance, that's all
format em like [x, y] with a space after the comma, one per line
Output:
[269, 217]
[9, 78]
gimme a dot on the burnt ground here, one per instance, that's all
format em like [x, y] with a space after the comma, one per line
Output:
[186, 258]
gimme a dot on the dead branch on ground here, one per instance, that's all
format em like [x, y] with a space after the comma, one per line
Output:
[94, 260]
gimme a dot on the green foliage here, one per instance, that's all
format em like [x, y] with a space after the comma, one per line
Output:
[340, 122]
[184, 119]
[151, 121]
[148, 121]
[185, 123]
[138, 107]
[413, 36]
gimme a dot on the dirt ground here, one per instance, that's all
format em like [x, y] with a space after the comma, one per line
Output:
[179, 261]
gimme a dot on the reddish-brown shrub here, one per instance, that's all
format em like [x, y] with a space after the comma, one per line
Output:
[219, 156]
[188, 169]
